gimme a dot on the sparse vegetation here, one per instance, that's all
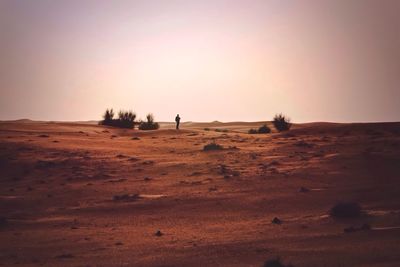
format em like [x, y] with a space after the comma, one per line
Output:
[108, 116]
[126, 119]
[206, 129]
[149, 124]
[212, 146]
[262, 129]
[345, 210]
[281, 122]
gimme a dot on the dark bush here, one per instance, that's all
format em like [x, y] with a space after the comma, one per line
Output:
[212, 146]
[264, 129]
[108, 116]
[149, 124]
[345, 210]
[126, 119]
[281, 122]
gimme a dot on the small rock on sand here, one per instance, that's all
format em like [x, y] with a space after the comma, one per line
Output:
[276, 220]
[158, 233]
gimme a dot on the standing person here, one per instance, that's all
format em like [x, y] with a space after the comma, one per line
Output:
[177, 120]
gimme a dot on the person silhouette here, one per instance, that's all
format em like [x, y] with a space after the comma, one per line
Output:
[177, 120]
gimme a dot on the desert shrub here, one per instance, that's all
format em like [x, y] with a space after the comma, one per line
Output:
[221, 130]
[275, 263]
[345, 210]
[252, 131]
[281, 122]
[108, 116]
[126, 119]
[212, 146]
[149, 124]
[264, 129]
[206, 129]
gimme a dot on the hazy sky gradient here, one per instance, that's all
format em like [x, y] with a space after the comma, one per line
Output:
[207, 60]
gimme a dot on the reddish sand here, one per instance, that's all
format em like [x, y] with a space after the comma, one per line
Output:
[62, 187]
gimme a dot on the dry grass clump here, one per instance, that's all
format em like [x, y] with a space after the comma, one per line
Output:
[212, 146]
[262, 130]
[149, 124]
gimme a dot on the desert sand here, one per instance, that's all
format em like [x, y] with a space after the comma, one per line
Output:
[75, 194]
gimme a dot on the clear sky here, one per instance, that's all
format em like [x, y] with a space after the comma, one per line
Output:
[207, 59]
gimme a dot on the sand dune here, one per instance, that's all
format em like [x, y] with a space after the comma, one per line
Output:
[75, 194]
